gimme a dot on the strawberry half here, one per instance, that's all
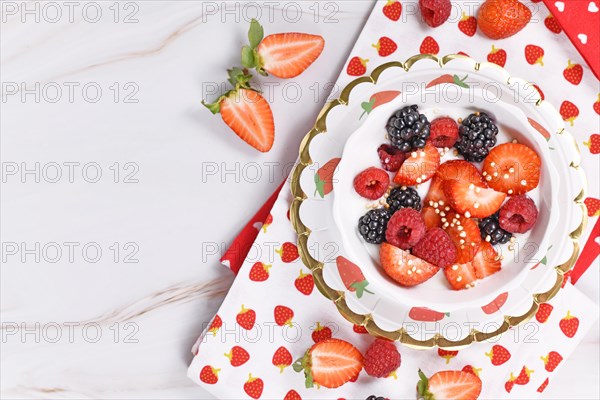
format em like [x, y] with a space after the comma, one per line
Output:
[465, 235]
[487, 261]
[471, 200]
[419, 167]
[284, 55]
[449, 385]
[246, 112]
[454, 169]
[403, 267]
[330, 363]
[512, 168]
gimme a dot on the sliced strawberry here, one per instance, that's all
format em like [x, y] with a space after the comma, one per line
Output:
[419, 167]
[487, 261]
[403, 267]
[465, 235]
[471, 200]
[436, 191]
[449, 385]
[454, 169]
[512, 168]
[287, 55]
[461, 276]
[330, 363]
[249, 115]
[431, 218]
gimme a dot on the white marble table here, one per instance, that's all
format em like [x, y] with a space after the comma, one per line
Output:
[119, 191]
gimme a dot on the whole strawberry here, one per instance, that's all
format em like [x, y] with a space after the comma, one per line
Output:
[435, 12]
[381, 358]
[499, 19]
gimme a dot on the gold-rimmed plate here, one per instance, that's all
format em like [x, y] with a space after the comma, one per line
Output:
[342, 281]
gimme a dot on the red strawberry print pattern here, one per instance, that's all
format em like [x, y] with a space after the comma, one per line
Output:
[393, 10]
[321, 333]
[267, 223]
[569, 112]
[209, 375]
[254, 387]
[215, 325]
[573, 73]
[283, 315]
[385, 46]
[237, 356]
[543, 386]
[551, 360]
[552, 24]
[468, 25]
[498, 355]
[259, 272]
[569, 325]
[305, 283]
[497, 56]
[429, 46]
[246, 318]
[292, 395]
[282, 358]
[593, 206]
[534, 54]
[524, 376]
[593, 143]
[543, 312]
[597, 105]
[357, 66]
[471, 370]
[288, 252]
[447, 354]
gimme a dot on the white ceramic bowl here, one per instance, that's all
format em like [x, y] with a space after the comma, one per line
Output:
[360, 152]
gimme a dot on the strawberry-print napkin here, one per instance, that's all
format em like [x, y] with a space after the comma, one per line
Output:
[273, 313]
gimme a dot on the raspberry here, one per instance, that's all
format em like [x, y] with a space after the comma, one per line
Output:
[444, 132]
[518, 215]
[391, 158]
[435, 12]
[372, 183]
[381, 359]
[436, 248]
[405, 228]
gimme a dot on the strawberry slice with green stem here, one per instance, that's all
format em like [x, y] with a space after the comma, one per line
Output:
[330, 363]
[447, 78]
[352, 276]
[246, 111]
[284, 55]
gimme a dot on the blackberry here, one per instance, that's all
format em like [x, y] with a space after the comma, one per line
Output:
[373, 397]
[477, 135]
[490, 226]
[408, 130]
[373, 224]
[403, 197]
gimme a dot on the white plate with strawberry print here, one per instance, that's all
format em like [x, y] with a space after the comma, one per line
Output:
[344, 142]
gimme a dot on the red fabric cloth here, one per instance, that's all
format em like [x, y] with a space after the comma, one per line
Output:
[580, 19]
[241, 245]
